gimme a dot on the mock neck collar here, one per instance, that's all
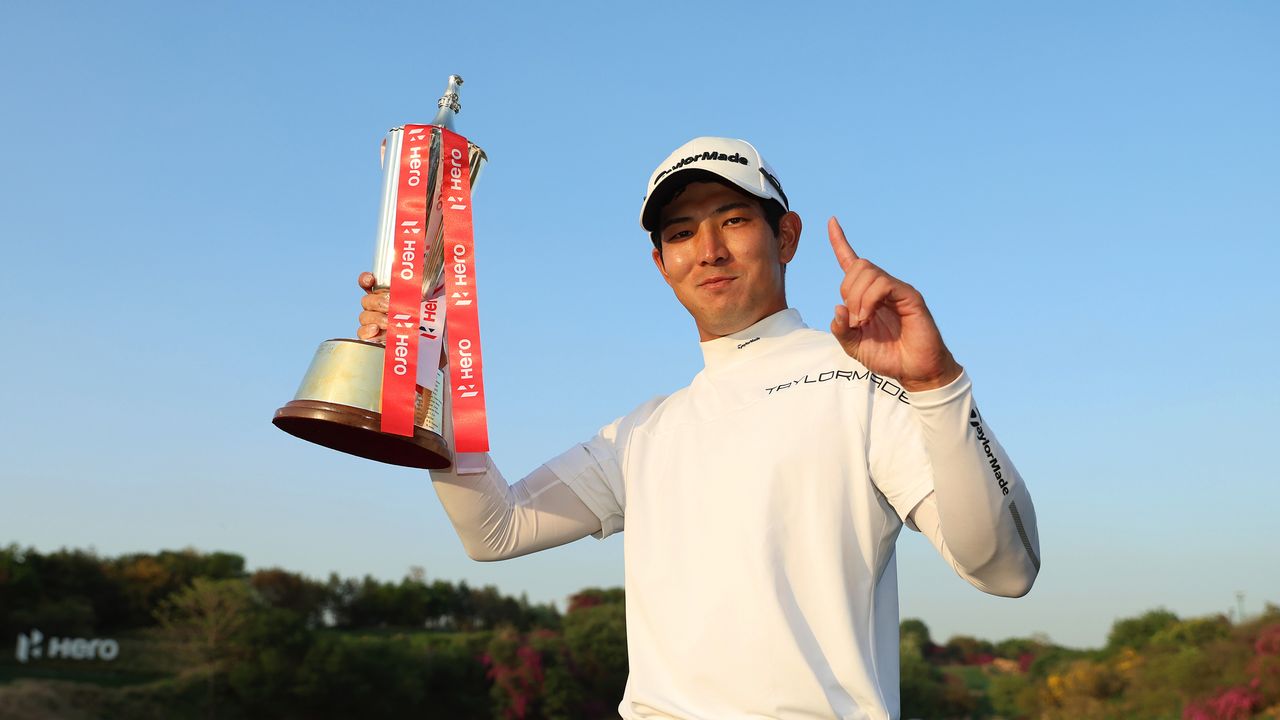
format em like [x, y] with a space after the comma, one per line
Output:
[750, 341]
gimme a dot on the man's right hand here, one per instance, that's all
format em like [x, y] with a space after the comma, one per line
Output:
[373, 321]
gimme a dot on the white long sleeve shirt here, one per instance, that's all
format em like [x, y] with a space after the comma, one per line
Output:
[762, 504]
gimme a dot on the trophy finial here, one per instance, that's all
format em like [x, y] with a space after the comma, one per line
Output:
[450, 97]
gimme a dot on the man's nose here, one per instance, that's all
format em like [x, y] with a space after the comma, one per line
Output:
[712, 249]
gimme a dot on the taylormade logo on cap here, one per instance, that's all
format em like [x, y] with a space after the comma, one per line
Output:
[708, 155]
[726, 158]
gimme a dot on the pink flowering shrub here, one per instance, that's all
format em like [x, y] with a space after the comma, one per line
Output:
[516, 669]
[1237, 703]
[1242, 701]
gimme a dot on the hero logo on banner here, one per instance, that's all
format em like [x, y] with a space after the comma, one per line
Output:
[400, 359]
[31, 647]
[466, 378]
[431, 336]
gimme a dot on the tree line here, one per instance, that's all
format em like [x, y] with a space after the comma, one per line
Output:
[75, 592]
[209, 639]
[206, 638]
[1157, 665]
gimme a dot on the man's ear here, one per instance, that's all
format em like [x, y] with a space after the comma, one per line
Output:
[789, 227]
[658, 263]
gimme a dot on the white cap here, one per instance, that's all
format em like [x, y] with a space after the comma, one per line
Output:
[733, 160]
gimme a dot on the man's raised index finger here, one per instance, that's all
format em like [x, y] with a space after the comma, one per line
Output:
[844, 251]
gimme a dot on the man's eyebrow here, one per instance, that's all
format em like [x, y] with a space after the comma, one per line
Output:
[672, 221]
[732, 206]
[723, 208]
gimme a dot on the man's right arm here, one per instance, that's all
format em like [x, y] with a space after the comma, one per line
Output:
[572, 495]
[496, 521]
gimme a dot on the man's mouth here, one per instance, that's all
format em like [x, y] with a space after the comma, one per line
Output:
[715, 283]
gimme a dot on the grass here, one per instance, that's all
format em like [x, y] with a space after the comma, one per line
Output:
[92, 675]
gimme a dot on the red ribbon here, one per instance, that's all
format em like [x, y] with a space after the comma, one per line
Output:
[466, 380]
[400, 360]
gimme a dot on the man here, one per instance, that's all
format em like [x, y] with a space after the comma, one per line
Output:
[762, 502]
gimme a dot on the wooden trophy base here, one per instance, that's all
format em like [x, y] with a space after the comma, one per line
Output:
[355, 431]
[338, 406]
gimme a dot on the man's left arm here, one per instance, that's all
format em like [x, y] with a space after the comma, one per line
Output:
[979, 514]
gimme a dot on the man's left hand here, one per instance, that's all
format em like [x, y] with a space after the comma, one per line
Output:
[885, 325]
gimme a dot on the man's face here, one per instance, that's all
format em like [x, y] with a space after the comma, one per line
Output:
[722, 259]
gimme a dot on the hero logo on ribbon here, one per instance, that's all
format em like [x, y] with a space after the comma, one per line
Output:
[431, 337]
[466, 379]
[400, 360]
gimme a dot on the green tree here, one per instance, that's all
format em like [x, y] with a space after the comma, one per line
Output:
[290, 591]
[590, 597]
[915, 628]
[362, 677]
[1013, 695]
[67, 592]
[1137, 632]
[1016, 648]
[921, 681]
[596, 637]
[270, 648]
[1191, 632]
[968, 650]
[206, 617]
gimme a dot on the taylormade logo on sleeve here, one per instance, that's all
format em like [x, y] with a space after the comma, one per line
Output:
[975, 422]
[31, 647]
[708, 155]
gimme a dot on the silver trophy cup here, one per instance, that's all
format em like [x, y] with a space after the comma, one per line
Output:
[339, 402]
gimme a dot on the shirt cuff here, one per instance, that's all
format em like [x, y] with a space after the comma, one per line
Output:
[937, 397]
[911, 500]
[574, 468]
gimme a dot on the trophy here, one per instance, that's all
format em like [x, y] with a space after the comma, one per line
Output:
[385, 400]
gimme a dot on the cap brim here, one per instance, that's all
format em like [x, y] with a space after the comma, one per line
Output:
[670, 186]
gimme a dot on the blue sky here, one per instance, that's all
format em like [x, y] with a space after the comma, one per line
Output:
[1087, 195]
